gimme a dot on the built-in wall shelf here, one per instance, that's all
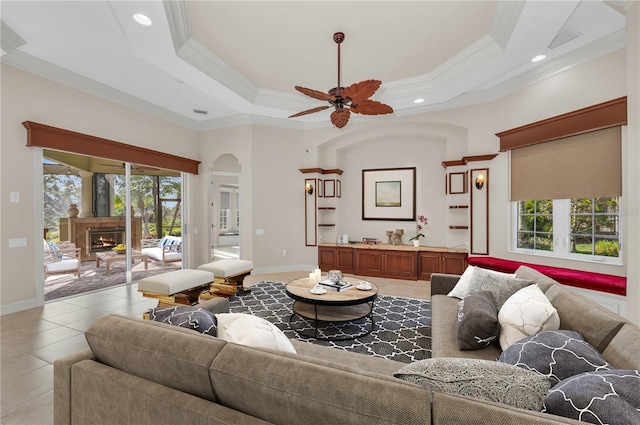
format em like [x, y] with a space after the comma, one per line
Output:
[459, 227]
[458, 206]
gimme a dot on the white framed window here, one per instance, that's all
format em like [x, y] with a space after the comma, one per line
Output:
[585, 229]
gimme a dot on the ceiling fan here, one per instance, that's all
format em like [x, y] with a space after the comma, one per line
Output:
[354, 98]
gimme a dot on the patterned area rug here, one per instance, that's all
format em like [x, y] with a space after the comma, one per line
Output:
[402, 332]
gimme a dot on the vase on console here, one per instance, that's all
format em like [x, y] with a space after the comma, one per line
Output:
[416, 242]
[73, 211]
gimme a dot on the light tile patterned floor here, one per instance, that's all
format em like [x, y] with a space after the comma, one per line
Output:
[32, 340]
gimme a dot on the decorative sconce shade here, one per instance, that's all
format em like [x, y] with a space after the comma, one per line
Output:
[308, 188]
[479, 181]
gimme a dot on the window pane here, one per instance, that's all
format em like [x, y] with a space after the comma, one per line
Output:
[525, 240]
[544, 242]
[544, 207]
[606, 205]
[581, 205]
[544, 224]
[526, 222]
[606, 225]
[582, 224]
[582, 244]
[607, 247]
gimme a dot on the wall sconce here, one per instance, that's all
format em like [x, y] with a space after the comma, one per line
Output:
[308, 188]
[479, 181]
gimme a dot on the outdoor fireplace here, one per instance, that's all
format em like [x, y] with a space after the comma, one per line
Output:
[104, 238]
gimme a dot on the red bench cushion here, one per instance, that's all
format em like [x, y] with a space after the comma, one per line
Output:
[578, 278]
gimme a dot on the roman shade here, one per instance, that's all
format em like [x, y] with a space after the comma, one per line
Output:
[583, 166]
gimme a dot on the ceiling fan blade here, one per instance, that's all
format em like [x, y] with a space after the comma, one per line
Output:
[371, 107]
[361, 91]
[316, 94]
[340, 117]
[310, 111]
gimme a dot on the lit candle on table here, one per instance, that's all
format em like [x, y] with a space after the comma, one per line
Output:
[318, 275]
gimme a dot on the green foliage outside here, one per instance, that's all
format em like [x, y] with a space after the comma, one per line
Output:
[62, 190]
[590, 219]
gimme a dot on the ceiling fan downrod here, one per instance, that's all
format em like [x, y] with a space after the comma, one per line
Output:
[338, 38]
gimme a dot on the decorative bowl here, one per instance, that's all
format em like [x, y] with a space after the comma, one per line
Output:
[334, 276]
[119, 250]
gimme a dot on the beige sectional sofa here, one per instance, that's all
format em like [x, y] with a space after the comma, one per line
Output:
[142, 372]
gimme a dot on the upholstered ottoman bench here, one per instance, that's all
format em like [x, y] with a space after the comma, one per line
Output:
[178, 287]
[229, 276]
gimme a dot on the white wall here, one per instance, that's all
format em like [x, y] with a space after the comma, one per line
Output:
[272, 195]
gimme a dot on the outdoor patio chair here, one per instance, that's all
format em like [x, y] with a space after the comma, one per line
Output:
[61, 258]
[165, 250]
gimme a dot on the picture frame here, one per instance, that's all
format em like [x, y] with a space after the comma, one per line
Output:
[389, 194]
[457, 183]
[329, 188]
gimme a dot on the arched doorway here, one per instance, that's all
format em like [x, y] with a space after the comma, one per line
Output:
[225, 208]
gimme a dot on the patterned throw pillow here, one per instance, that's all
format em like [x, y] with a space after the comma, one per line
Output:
[186, 316]
[604, 397]
[526, 313]
[477, 324]
[482, 379]
[54, 251]
[461, 289]
[500, 286]
[252, 331]
[556, 354]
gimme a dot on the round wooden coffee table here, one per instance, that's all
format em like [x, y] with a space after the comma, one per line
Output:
[332, 306]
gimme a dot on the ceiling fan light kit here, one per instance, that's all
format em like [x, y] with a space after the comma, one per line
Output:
[354, 98]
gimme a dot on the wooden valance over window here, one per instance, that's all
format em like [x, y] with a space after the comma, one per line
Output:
[575, 155]
[45, 136]
[597, 117]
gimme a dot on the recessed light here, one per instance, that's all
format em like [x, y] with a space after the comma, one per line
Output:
[539, 58]
[418, 100]
[200, 111]
[143, 19]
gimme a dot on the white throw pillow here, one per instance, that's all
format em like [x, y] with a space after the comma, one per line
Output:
[526, 313]
[461, 290]
[252, 331]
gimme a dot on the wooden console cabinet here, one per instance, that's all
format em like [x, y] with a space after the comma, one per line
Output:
[386, 263]
[391, 261]
[440, 262]
[336, 258]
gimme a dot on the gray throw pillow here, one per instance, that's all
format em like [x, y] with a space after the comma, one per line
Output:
[481, 379]
[477, 324]
[556, 354]
[500, 286]
[186, 316]
[604, 397]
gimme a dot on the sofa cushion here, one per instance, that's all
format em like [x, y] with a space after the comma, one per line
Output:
[286, 388]
[526, 313]
[443, 330]
[176, 357]
[477, 325]
[461, 289]
[527, 273]
[186, 316]
[482, 379]
[603, 397]
[500, 286]
[556, 354]
[622, 351]
[597, 324]
[253, 331]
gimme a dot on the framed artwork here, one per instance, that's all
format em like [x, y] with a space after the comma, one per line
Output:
[329, 188]
[457, 183]
[389, 194]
